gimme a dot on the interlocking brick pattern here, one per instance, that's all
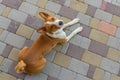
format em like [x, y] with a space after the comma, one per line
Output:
[93, 54]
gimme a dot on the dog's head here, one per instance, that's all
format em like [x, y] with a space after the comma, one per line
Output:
[52, 24]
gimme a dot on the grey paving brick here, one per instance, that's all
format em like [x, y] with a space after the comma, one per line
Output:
[78, 66]
[38, 76]
[2, 8]
[91, 71]
[102, 15]
[113, 42]
[76, 40]
[50, 55]
[5, 65]
[96, 3]
[67, 2]
[107, 76]
[32, 1]
[28, 8]
[4, 35]
[85, 43]
[59, 1]
[110, 66]
[84, 19]
[17, 16]
[65, 48]
[52, 70]
[15, 40]
[35, 35]
[118, 33]
[2, 47]
[4, 22]
[0, 1]
[73, 27]
[54, 7]
[81, 77]
[67, 75]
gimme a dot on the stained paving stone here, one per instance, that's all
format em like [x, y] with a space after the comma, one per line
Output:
[107, 76]
[28, 8]
[54, 7]
[4, 22]
[15, 40]
[2, 8]
[84, 19]
[6, 51]
[50, 56]
[94, 23]
[81, 77]
[75, 51]
[91, 10]
[78, 66]
[12, 3]
[102, 15]
[115, 20]
[13, 72]
[5, 65]
[17, 16]
[5, 76]
[67, 75]
[110, 66]
[34, 22]
[98, 48]
[91, 71]
[2, 47]
[64, 11]
[96, 3]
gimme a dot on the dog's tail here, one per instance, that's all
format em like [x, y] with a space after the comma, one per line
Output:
[20, 67]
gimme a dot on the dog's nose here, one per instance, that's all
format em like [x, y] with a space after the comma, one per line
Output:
[60, 22]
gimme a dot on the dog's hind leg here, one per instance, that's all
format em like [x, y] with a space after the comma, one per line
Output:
[79, 29]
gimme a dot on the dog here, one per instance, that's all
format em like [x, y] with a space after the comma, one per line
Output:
[31, 59]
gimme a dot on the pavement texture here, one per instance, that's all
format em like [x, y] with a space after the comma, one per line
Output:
[93, 54]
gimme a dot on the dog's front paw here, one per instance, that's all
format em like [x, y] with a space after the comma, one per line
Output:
[76, 20]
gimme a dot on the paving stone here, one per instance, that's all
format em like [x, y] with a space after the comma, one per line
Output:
[91, 10]
[15, 40]
[67, 75]
[103, 6]
[13, 72]
[32, 1]
[78, 66]
[12, 3]
[66, 20]
[115, 3]
[98, 36]
[6, 11]
[5, 76]
[4, 35]
[35, 35]
[86, 31]
[51, 78]
[6, 51]
[81, 77]
[0, 1]
[17, 16]
[107, 28]
[84, 19]
[76, 40]
[65, 48]
[13, 26]
[54, 7]
[28, 8]
[102, 15]
[38, 76]
[5, 65]
[1, 59]
[58, 47]
[75, 51]
[92, 58]
[2, 8]
[42, 3]
[67, 3]
[73, 27]
[99, 74]
[115, 20]
[64, 11]
[2, 47]
[14, 54]
[78, 6]
[107, 76]
[113, 42]
[52, 69]
[4, 22]
[25, 31]
[91, 71]
[34, 22]
[59, 1]
[113, 54]
[114, 77]
[117, 33]
[85, 43]
[62, 60]
[28, 43]
[50, 56]
[94, 23]
[98, 48]
[110, 66]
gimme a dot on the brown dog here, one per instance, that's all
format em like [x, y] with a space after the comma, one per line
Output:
[31, 59]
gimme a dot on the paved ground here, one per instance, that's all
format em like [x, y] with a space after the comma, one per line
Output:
[93, 54]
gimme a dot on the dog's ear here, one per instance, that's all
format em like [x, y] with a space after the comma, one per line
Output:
[41, 30]
[44, 15]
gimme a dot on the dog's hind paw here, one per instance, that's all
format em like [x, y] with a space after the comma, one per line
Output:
[79, 29]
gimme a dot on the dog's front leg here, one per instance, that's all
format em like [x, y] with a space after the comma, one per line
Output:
[79, 29]
[71, 23]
